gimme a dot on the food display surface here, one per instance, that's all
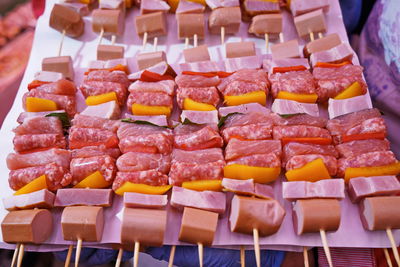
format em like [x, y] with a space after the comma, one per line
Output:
[350, 233]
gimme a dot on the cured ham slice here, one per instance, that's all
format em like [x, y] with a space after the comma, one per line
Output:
[345, 106]
[327, 188]
[189, 7]
[332, 81]
[93, 88]
[59, 156]
[136, 161]
[200, 66]
[238, 148]
[298, 82]
[60, 87]
[194, 137]
[83, 167]
[258, 77]
[207, 95]
[65, 102]
[92, 151]
[150, 177]
[213, 4]
[107, 110]
[299, 131]
[138, 200]
[56, 176]
[149, 99]
[108, 76]
[40, 125]
[299, 161]
[84, 121]
[36, 142]
[243, 187]
[358, 147]
[196, 81]
[337, 54]
[165, 86]
[81, 137]
[292, 149]
[287, 107]
[200, 117]
[362, 187]
[370, 159]
[238, 63]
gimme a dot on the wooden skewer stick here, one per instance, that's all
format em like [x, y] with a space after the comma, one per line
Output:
[119, 257]
[320, 35]
[242, 257]
[14, 258]
[311, 36]
[186, 42]
[101, 35]
[136, 254]
[393, 243]
[266, 37]
[144, 40]
[155, 43]
[171, 256]
[68, 258]
[222, 35]
[257, 247]
[305, 254]
[200, 248]
[195, 40]
[61, 43]
[78, 251]
[113, 39]
[281, 37]
[20, 255]
[387, 256]
[326, 247]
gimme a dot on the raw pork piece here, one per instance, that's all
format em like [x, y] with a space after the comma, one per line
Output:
[299, 131]
[107, 76]
[61, 157]
[328, 188]
[159, 120]
[149, 99]
[332, 81]
[93, 88]
[362, 187]
[165, 86]
[204, 200]
[151, 177]
[249, 118]
[83, 167]
[136, 161]
[56, 176]
[199, 156]
[84, 121]
[61, 87]
[207, 95]
[194, 137]
[358, 147]
[185, 80]
[133, 129]
[370, 159]
[302, 119]
[200, 117]
[36, 142]
[299, 161]
[92, 151]
[65, 102]
[342, 124]
[292, 149]
[238, 148]
[244, 108]
[246, 75]
[26, 115]
[138, 200]
[40, 125]
[238, 87]
[81, 137]
[287, 107]
[270, 160]
[108, 110]
[298, 82]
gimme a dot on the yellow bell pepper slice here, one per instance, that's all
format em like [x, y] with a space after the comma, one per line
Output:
[391, 169]
[189, 104]
[100, 99]
[128, 3]
[303, 98]
[142, 188]
[260, 175]
[33, 186]
[203, 185]
[94, 180]
[173, 4]
[252, 97]
[353, 90]
[202, 2]
[313, 171]
[36, 104]
[138, 109]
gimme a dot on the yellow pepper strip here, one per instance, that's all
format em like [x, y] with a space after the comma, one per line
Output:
[33, 186]
[138, 109]
[202, 2]
[313, 171]
[203, 185]
[142, 188]
[252, 97]
[35, 104]
[86, 2]
[391, 169]
[303, 98]
[173, 4]
[353, 90]
[260, 175]
[95, 180]
[100, 99]
[189, 104]
[128, 3]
